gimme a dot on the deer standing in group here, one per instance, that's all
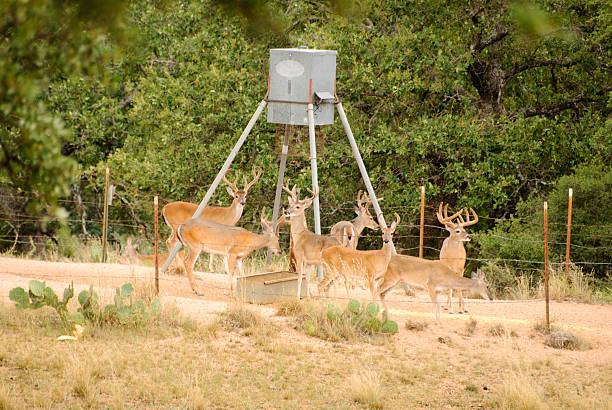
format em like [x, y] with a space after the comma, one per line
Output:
[307, 246]
[371, 265]
[348, 232]
[453, 253]
[176, 213]
[177, 265]
[232, 242]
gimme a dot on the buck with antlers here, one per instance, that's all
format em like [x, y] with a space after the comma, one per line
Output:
[453, 253]
[176, 213]
[232, 242]
[348, 232]
[307, 246]
[433, 275]
[371, 265]
[177, 265]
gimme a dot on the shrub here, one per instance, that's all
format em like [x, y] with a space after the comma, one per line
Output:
[565, 340]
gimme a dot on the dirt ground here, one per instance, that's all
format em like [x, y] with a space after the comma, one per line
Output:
[590, 321]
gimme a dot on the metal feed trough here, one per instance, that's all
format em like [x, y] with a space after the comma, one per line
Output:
[268, 287]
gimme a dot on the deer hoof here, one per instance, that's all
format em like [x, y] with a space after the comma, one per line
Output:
[460, 312]
[445, 308]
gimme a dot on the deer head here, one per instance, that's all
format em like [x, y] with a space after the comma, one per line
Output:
[456, 229]
[268, 231]
[238, 194]
[297, 206]
[388, 232]
[483, 287]
[363, 212]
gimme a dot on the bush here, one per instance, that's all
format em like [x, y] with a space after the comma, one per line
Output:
[566, 340]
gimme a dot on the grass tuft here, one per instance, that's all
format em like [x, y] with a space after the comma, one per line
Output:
[366, 388]
[500, 330]
[416, 325]
[518, 391]
[565, 340]
[470, 327]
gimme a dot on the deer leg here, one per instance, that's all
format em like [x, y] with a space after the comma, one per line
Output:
[308, 269]
[231, 265]
[192, 256]
[299, 267]
[435, 298]
[385, 287]
[211, 263]
[449, 302]
[462, 305]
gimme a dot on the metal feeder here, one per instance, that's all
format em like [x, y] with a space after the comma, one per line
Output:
[268, 287]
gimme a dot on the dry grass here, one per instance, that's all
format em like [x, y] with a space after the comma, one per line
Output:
[416, 325]
[565, 340]
[501, 330]
[577, 288]
[519, 392]
[176, 362]
[470, 327]
[365, 387]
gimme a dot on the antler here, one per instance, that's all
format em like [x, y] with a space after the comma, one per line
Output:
[447, 220]
[264, 220]
[314, 194]
[231, 184]
[257, 171]
[293, 192]
[463, 223]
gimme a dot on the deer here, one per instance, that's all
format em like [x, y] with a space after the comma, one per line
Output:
[348, 232]
[307, 246]
[177, 265]
[232, 242]
[176, 213]
[452, 253]
[432, 275]
[340, 260]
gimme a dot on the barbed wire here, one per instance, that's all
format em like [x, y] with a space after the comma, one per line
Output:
[323, 203]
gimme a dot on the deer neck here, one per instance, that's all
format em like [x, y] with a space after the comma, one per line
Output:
[235, 212]
[298, 224]
[359, 224]
[452, 247]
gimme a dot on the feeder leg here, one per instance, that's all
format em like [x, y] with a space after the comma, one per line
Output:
[217, 180]
[279, 182]
[315, 178]
[362, 168]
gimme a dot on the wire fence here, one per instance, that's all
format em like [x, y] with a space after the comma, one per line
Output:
[407, 233]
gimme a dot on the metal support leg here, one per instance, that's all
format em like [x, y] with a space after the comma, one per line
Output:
[219, 176]
[279, 182]
[315, 180]
[362, 169]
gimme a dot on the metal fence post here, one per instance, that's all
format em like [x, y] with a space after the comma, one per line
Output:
[569, 233]
[422, 221]
[105, 217]
[155, 218]
[546, 265]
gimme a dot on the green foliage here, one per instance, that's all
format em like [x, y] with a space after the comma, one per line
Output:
[362, 317]
[522, 237]
[40, 295]
[133, 313]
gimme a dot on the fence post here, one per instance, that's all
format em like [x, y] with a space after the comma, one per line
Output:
[155, 218]
[422, 221]
[105, 217]
[569, 233]
[546, 264]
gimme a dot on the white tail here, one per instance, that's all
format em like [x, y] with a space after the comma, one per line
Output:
[177, 265]
[176, 213]
[348, 232]
[453, 253]
[433, 275]
[233, 243]
[370, 265]
[307, 246]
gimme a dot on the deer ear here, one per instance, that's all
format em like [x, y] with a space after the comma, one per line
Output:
[230, 191]
[474, 275]
[356, 210]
